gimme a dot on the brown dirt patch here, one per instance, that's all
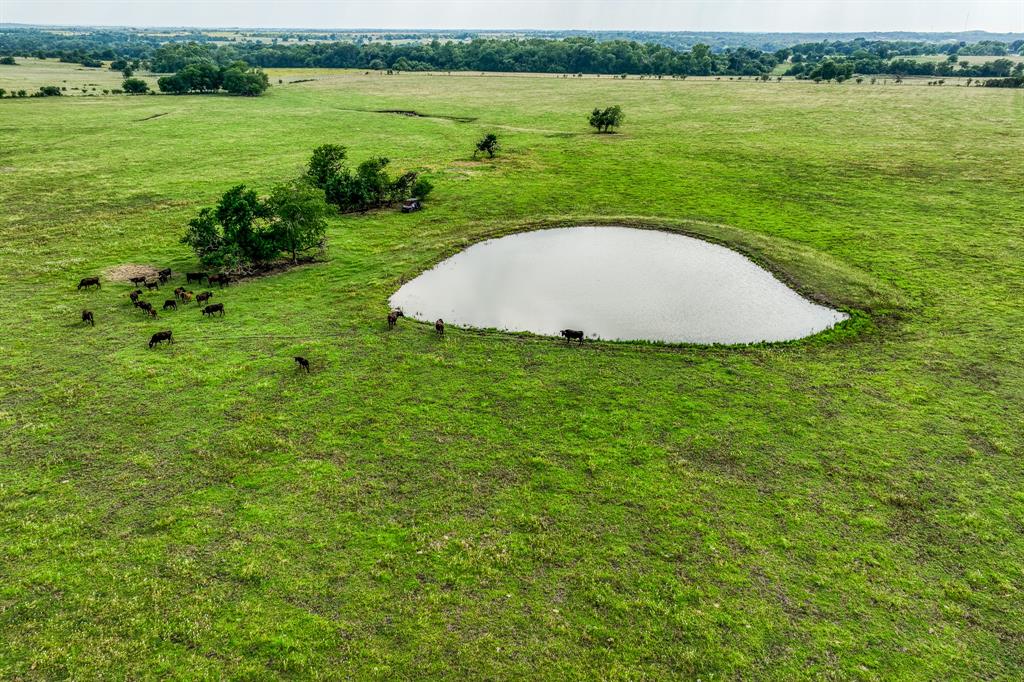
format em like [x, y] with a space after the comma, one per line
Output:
[125, 271]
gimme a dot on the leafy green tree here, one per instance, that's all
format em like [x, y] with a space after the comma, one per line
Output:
[421, 188]
[2, 92]
[239, 79]
[298, 220]
[135, 86]
[489, 145]
[174, 85]
[327, 161]
[606, 119]
[8, 61]
[202, 76]
[49, 91]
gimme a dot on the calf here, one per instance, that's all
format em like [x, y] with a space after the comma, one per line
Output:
[194, 277]
[393, 317]
[87, 317]
[215, 308]
[170, 304]
[137, 281]
[302, 362]
[178, 292]
[151, 311]
[186, 297]
[134, 295]
[164, 275]
[152, 284]
[161, 336]
[87, 282]
[439, 327]
[144, 305]
[204, 297]
[572, 334]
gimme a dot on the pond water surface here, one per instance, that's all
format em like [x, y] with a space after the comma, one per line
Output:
[614, 283]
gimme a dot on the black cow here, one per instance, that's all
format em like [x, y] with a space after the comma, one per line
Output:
[151, 311]
[144, 305]
[137, 281]
[134, 295]
[178, 292]
[194, 277]
[170, 304]
[215, 308]
[164, 275]
[152, 284]
[439, 327]
[222, 280]
[572, 334]
[87, 317]
[87, 282]
[161, 336]
[204, 297]
[393, 317]
[302, 362]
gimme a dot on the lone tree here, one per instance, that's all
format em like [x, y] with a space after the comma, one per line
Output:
[606, 119]
[488, 144]
[135, 86]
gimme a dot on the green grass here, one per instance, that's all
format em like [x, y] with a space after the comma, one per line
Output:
[493, 506]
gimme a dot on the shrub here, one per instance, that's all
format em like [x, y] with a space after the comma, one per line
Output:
[135, 86]
[488, 144]
[421, 188]
[49, 91]
[8, 61]
[606, 119]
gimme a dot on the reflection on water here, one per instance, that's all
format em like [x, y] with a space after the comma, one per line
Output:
[613, 283]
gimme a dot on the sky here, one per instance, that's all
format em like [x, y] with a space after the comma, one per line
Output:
[653, 15]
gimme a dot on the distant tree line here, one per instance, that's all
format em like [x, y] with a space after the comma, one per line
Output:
[469, 51]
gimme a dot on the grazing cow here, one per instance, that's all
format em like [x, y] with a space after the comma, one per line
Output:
[161, 336]
[144, 305]
[222, 280]
[137, 281]
[393, 317]
[439, 327]
[87, 317]
[204, 297]
[164, 275]
[215, 308]
[178, 292]
[87, 282]
[186, 296]
[571, 334]
[134, 295]
[151, 311]
[152, 284]
[194, 277]
[170, 304]
[302, 362]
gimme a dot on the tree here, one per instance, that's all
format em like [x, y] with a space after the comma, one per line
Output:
[174, 85]
[234, 234]
[49, 91]
[2, 92]
[127, 72]
[299, 217]
[239, 79]
[421, 188]
[135, 86]
[8, 61]
[488, 144]
[327, 162]
[606, 119]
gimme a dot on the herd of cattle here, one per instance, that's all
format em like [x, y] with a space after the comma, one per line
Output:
[181, 296]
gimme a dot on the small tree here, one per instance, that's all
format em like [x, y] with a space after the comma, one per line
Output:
[421, 188]
[127, 72]
[299, 217]
[2, 92]
[135, 86]
[49, 91]
[8, 61]
[326, 163]
[488, 144]
[606, 119]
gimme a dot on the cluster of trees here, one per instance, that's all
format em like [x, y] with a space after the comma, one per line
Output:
[237, 78]
[840, 68]
[245, 230]
[606, 119]
[1014, 82]
[368, 186]
[8, 61]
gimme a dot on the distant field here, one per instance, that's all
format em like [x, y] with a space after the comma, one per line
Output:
[31, 74]
[499, 506]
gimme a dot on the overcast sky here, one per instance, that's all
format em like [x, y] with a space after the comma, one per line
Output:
[654, 15]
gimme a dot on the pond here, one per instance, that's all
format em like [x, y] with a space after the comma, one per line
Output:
[614, 283]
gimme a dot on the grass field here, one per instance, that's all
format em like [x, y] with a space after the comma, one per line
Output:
[31, 74]
[492, 506]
